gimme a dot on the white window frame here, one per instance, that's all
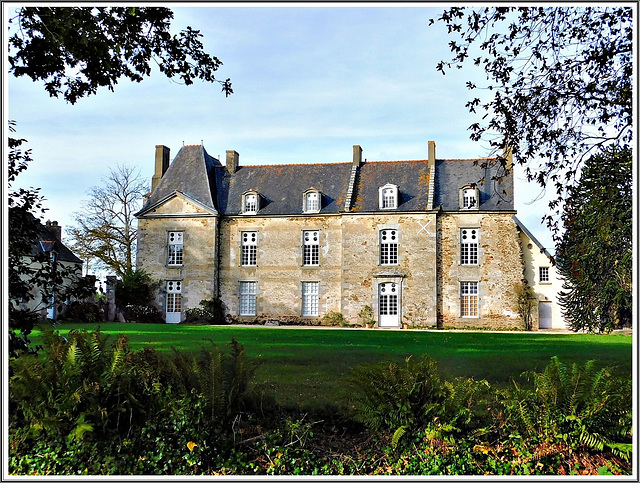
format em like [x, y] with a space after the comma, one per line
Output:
[311, 201]
[388, 240]
[469, 300]
[175, 248]
[248, 248]
[250, 203]
[248, 295]
[174, 296]
[388, 197]
[469, 198]
[544, 275]
[469, 243]
[310, 298]
[311, 248]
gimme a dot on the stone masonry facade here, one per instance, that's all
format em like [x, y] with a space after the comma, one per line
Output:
[419, 242]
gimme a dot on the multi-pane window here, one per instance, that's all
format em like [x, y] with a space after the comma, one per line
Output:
[176, 246]
[469, 199]
[312, 202]
[249, 248]
[310, 298]
[468, 299]
[174, 296]
[388, 299]
[544, 274]
[388, 247]
[469, 246]
[388, 196]
[248, 292]
[250, 203]
[310, 247]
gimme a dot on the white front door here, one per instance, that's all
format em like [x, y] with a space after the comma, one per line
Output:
[174, 302]
[546, 317]
[389, 304]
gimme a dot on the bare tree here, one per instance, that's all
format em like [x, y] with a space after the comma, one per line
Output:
[107, 230]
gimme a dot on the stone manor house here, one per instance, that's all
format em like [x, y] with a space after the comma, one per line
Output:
[422, 242]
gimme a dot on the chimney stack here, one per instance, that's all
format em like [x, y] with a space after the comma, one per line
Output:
[162, 164]
[507, 154]
[233, 161]
[55, 229]
[357, 155]
[432, 152]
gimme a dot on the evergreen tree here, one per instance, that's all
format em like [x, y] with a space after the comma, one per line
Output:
[594, 255]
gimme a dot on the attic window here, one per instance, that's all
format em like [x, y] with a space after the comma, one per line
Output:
[469, 196]
[311, 201]
[250, 203]
[388, 197]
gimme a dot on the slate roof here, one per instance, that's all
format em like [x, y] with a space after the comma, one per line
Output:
[281, 187]
[191, 172]
[411, 178]
[47, 242]
[453, 174]
[205, 179]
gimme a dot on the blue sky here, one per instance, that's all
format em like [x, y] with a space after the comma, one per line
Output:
[310, 82]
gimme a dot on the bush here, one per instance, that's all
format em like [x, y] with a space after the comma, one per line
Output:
[210, 311]
[85, 312]
[332, 318]
[390, 395]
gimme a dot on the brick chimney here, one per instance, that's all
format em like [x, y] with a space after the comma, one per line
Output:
[357, 155]
[55, 229]
[233, 161]
[162, 163]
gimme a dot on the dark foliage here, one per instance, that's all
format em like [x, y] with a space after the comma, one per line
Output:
[594, 255]
[559, 83]
[31, 276]
[77, 50]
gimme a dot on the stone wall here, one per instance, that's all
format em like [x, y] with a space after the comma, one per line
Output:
[498, 270]
[199, 270]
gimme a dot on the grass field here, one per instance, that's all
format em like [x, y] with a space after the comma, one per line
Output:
[304, 366]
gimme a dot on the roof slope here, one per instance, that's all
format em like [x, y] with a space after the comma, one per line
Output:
[411, 178]
[47, 242]
[281, 187]
[453, 174]
[192, 172]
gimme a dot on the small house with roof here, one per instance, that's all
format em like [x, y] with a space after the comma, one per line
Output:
[49, 246]
[423, 242]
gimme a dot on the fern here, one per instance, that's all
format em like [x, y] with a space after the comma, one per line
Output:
[399, 433]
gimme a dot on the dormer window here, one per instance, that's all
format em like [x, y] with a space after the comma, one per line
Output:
[311, 201]
[469, 198]
[388, 197]
[250, 203]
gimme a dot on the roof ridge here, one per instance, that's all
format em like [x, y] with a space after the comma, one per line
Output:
[290, 164]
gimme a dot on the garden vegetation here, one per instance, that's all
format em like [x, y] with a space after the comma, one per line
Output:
[89, 404]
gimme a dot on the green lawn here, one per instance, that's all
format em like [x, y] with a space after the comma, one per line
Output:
[304, 365]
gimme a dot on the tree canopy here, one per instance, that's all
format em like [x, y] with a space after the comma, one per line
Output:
[594, 255]
[107, 229]
[76, 50]
[559, 83]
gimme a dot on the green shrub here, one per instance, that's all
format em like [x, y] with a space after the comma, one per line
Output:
[577, 404]
[210, 311]
[389, 395]
[85, 312]
[332, 318]
[366, 316]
